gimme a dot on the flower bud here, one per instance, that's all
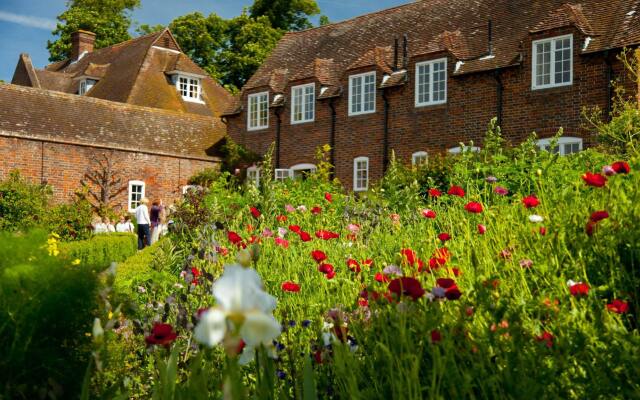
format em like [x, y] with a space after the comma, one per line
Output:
[539, 172]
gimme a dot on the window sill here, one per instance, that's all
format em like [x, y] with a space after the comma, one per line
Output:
[261, 128]
[427, 105]
[545, 88]
[362, 113]
[302, 122]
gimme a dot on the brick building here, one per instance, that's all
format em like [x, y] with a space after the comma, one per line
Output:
[142, 103]
[426, 76]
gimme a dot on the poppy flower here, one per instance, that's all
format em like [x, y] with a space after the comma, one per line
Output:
[234, 238]
[456, 191]
[304, 236]
[281, 218]
[482, 229]
[409, 255]
[530, 201]
[579, 289]
[255, 212]
[367, 263]
[327, 197]
[435, 263]
[330, 274]
[442, 252]
[434, 192]
[282, 242]
[428, 213]
[295, 228]
[406, 286]
[499, 190]
[435, 336]
[526, 263]
[543, 230]
[621, 167]
[444, 236]
[546, 337]
[161, 334]
[590, 228]
[353, 265]
[451, 291]
[326, 235]
[599, 215]
[380, 277]
[325, 268]
[318, 255]
[363, 302]
[596, 180]
[618, 306]
[223, 251]
[473, 207]
[290, 287]
[316, 210]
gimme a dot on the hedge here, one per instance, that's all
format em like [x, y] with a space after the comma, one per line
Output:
[101, 250]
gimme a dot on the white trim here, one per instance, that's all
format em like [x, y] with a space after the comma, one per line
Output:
[430, 63]
[257, 127]
[165, 49]
[561, 142]
[465, 149]
[419, 154]
[302, 167]
[130, 200]
[189, 74]
[255, 180]
[190, 78]
[303, 104]
[356, 187]
[85, 87]
[285, 173]
[552, 62]
[350, 103]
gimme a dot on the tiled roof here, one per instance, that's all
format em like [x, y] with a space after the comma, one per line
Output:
[456, 27]
[134, 72]
[66, 118]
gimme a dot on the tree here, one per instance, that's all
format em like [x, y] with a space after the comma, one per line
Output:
[288, 15]
[324, 20]
[146, 29]
[110, 20]
[103, 183]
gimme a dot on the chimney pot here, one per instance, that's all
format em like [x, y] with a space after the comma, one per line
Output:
[81, 41]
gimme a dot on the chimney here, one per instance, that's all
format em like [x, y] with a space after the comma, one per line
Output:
[81, 41]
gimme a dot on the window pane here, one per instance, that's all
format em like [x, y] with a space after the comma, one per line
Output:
[369, 93]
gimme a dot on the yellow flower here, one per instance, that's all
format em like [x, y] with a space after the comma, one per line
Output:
[76, 261]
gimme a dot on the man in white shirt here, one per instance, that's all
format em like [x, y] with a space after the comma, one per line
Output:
[144, 222]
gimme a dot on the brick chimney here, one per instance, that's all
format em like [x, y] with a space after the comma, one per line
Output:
[81, 41]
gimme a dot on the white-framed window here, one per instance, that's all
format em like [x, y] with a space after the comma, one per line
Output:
[552, 62]
[258, 111]
[362, 93]
[86, 85]
[360, 174]
[302, 170]
[303, 103]
[431, 82]
[565, 145]
[419, 158]
[190, 88]
[283, 173]
[253, 175]
[464, 149]
[136, 193]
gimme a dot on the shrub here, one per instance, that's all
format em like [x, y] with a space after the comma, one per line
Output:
[70, 221]
[102, 250]
[46, 304]
[204, 178]
[22, 204]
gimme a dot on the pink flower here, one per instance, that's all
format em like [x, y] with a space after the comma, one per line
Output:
[282, 242]
[501, 191]
[395, 218]
[353, 228]
[482, 229]
[289, 208]
[428, 213]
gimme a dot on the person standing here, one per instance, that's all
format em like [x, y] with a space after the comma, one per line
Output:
[125, 225]
[109, 225]
[154, 214]
[144, 222]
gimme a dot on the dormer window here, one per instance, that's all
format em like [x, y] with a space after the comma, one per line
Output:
[552, 62]
[86, 85]
[190, 88]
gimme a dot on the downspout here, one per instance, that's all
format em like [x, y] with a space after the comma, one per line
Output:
[332, 137]
[499, 94]
[607, 61]
[385, 155]
[278, 123]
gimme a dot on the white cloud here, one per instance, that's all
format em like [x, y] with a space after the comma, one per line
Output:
[28, 20]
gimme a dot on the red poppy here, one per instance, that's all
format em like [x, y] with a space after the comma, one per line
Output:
[427, 213]
[451, 291]
[234, 238]
[618, 306]
[579, 289]
[406, 286]
[325, 268]
[326, 235]
[254, 239]
[222, 250]
[435, 336]
[318, 255]
[363, 302]
[330, 274]
[456, 191]
[530, 201]
[380, 277]
[621, 167]
[590, 228]
[249, 228]
[305, 236]
[473, 207]
[195, 272]
[290, 287]
[255, 212]
[546, 337]
[367, 263]
[295, 228]
[161, 334]
[327, 197]
[316, 210]
[445, 283]
[435, 263]
[409, 256]
[281, 218]
[597, 180]
[282, 242]
[434, 192]
[442, 252]
[353, 265]
[482, 229]
[444, 236]
[599, 215]
[543, 230]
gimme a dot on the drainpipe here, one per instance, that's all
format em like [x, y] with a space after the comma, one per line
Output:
[332, 137]
[607, 61]
[385, 154]
[278, 111]
[499, 92]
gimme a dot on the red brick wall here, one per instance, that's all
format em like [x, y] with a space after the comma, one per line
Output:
[63, 166]
[471, 103]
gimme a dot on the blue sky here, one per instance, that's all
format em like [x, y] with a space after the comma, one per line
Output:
[26, 25]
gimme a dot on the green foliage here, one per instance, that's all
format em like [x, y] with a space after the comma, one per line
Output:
[236, 156]
[204, 178]
[287, 15]
[46, 304]
[22, 204]
[101, 250]
[324, 20]
[70, 221]
[108, 19]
